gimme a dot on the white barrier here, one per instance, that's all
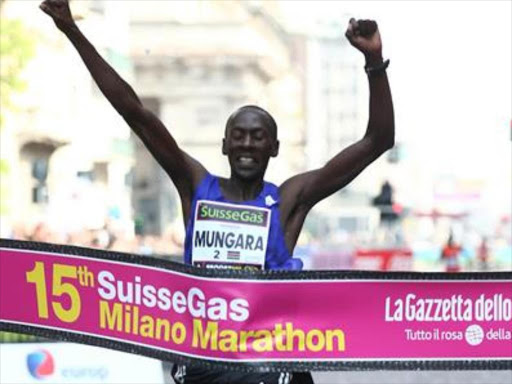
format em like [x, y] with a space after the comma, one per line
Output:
[75, 363]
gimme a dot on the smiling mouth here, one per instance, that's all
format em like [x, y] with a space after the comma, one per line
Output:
[246, 160]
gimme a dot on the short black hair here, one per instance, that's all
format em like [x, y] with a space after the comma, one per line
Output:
[271, 123]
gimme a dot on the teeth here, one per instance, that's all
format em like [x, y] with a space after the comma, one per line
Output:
[246, 161]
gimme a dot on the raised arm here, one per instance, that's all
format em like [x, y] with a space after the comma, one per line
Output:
[300, 193]
[184, 171]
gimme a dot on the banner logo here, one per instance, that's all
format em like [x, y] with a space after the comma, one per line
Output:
[40, 364]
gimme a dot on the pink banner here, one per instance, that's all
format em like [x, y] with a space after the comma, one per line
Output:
[234, 320]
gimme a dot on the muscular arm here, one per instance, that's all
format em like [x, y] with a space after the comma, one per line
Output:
[184, 171]
[300, 193]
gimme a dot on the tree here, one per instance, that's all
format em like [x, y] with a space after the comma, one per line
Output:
[16, 49]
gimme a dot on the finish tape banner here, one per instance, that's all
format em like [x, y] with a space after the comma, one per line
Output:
[257, 321]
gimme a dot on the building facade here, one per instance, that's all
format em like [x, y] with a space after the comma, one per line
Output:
[67, 151]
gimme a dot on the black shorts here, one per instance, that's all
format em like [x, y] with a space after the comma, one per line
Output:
[193, 375]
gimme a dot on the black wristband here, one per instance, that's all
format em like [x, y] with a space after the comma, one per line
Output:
[378, 69]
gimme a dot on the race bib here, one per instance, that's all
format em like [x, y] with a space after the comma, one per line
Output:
[230, 236]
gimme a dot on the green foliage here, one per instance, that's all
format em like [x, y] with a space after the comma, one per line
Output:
[10, 337]
[17, 47]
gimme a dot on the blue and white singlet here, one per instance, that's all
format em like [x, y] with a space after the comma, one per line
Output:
[236, 235]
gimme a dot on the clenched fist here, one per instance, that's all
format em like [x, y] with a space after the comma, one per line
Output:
[365, 36]
[59, 11]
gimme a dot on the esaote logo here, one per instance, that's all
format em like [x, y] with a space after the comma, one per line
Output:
[40, 364]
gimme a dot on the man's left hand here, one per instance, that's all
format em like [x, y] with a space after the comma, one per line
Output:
[364, 35]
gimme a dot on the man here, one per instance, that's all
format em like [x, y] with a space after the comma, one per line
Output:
[274, 215]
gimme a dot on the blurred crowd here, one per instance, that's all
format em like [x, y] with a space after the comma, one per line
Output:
[109, 237]
[318, 252]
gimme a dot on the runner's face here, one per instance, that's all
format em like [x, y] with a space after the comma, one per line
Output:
[249, 145]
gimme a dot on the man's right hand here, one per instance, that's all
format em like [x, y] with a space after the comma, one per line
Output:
[59, 11]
